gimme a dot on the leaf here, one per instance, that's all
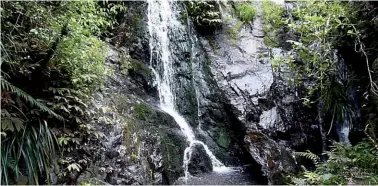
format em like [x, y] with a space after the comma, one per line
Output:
[18, 123]
[74, 166]
[6, 124]
[34, 31]
[338, 21]
[5, 85]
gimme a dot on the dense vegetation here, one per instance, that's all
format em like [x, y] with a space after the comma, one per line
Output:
[322, 33]
[205, 15]
[273, 22]
[345, 165]
[245, 11]
[52, 60]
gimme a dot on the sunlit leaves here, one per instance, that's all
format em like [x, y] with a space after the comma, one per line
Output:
[74, 167]
[205, 14]
[84, 58]
[273, 22]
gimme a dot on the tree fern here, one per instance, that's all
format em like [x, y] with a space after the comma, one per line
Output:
[5, 85]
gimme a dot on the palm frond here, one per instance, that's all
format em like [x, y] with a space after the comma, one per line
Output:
[5, 85]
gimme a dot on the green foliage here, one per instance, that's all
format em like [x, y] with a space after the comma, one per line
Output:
[27, 152]
[81, 52]
[84, 60]
[245, 11]
[233, 31]
[273, 22]
[6, 86]
[345, 165]
[134, 158]
[142, 111]
[52, 59]
[205, 14]
[317, 24]
[213, 45]
[308, 155]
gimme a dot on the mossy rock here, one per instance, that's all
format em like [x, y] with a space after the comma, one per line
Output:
[223, 139]
[173, 141]
[143, 112]
[173, 145]
[141, 73]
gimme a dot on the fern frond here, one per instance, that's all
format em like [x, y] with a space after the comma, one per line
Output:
[308, 155]
[5, 85]
[298, 181]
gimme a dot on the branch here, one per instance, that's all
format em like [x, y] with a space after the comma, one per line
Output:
[373, 85]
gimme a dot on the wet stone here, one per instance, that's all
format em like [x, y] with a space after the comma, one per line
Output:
[199, 161]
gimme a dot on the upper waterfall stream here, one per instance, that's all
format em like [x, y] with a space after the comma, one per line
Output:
[161, 20]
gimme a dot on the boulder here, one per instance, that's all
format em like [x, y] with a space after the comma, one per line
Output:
[199, 161]
[273, 158]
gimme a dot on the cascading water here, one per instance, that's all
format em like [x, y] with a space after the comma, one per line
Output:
[161, 21]
[343, 76]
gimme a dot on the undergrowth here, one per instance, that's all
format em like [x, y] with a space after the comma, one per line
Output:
[245, 11]
[345, 165]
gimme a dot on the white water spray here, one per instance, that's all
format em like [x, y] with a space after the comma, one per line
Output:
[160, 20]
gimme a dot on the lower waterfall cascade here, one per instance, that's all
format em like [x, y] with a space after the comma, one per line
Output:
[160, 20]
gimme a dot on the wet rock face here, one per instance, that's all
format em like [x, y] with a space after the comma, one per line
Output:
[199, 161]
[137, 143]
[198, 97]
[259, 99]
[132, 31]
[295, 124]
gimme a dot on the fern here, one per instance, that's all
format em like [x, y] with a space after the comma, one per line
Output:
[345, 165]
[5, 85]
[309, 155]
[298, 181]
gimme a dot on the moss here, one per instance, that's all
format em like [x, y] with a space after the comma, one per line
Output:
[127, 137]
[137, 67]
[255, 136]
[233, 32]
[172, 153]
[245, 11]
[142, 111]
[273, 22]
[125, 63]
[184, 16]
[120, 103]
[270, 41]
[223, 139]
[228, 19]
[259, 56]
[206, 67]
[213, 45]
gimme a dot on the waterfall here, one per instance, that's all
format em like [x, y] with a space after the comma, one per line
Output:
[161, 24]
